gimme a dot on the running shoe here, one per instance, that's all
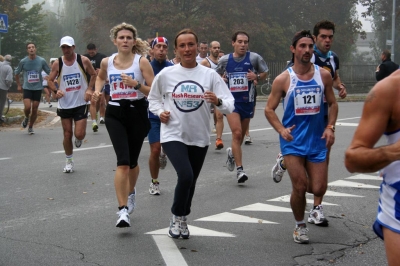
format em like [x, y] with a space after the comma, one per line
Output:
[277, 170]
[123, 219]
[317, 217]
[162, 159]
[50, 105]
[300, 235]
[30, 131]
[247, 140]
[175, 227]
[230, 162]
[24, 123]
[154, 188]
[131, 202]
[185, 234]
[69, 166]
[95, 127]
[219, 144]
[214, 130]
[78, 143]
[102, 121]
[241, 176]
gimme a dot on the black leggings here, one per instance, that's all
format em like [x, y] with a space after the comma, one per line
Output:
[187, 161]
[127, 127]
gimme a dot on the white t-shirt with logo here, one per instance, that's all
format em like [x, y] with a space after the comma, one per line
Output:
[180, 91]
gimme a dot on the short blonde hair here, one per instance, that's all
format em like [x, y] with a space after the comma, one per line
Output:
[1, 58]
[141, 47]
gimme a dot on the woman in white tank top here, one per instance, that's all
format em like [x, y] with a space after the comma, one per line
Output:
[130, 75]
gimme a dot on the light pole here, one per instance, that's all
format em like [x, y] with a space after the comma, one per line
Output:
[393, 27]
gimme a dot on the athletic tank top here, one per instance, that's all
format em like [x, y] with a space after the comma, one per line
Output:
[391, 172]
[241, 88]
[73, 82]
[212, 64]
[303, 107]
[120, 91]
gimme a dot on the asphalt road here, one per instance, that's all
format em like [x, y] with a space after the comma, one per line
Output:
[48, 217]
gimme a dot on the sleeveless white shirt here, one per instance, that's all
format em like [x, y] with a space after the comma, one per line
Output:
[73, 82]
[118, 90]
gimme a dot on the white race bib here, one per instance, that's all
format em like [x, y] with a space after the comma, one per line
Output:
[118, 90]
[307, 100]
[72, 82]
[33, 76]
[238, 82]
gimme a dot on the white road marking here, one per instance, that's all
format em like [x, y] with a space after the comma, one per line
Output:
[263, 207]
[346, 124]
[349, 118]
[309, 201]
[194, 231]
[234, 218]
[339, 194]
[342, 183]
[365, 177]
[169, 251]
[5, 158]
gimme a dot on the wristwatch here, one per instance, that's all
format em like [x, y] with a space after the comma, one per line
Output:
[258, 77]
[219, 102]
[331, 127]
[138, 86]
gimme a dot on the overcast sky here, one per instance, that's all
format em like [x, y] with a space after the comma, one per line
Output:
[366, 24]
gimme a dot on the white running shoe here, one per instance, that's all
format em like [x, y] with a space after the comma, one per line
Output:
[277, 170]
[123, 219]
[78, 143]
[69, 166]
[95, 127]
[185, 234]
[241, 176]
[175, 227]
[162, 160]
[230, 162]
[102, 121]
[247, 140]
[317, 217]
[300, 235]
[154, 188]
[131, 202]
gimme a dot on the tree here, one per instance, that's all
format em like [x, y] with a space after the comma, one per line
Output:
[270, 23]
[25, 25]
[381, 12]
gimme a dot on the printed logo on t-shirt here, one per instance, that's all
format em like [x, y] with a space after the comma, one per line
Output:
[188, 96]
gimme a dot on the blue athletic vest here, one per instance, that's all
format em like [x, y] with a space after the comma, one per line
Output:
[237, 72]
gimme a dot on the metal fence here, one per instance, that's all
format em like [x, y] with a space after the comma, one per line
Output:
[358, 78]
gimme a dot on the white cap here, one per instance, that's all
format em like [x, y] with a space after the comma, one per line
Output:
[67, 40]
[53, 59]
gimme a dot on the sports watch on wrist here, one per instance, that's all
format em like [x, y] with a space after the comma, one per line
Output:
[219, 102]
[138, 86]
[331, 127]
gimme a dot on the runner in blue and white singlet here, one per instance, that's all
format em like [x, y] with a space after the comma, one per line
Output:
[381, 116]
[303, 107]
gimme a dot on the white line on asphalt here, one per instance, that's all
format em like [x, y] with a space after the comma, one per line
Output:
[235, 218]
[169, 251]
[342, 183]
[5, 158]
[349, 118]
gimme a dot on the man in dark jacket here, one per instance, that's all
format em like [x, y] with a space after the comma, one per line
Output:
[387, 67]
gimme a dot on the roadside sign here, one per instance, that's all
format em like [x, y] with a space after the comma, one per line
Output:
[3, 23]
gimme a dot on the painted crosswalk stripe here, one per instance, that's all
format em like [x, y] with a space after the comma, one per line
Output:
[342, 183]
[233, 218]
[309, 201]
[169, 251]
[365, 177]
[340, 194]
[263, 207]
[194, 231]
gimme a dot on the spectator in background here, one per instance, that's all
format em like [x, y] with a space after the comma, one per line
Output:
[1, 58]
[6, 79]
[387, 66]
